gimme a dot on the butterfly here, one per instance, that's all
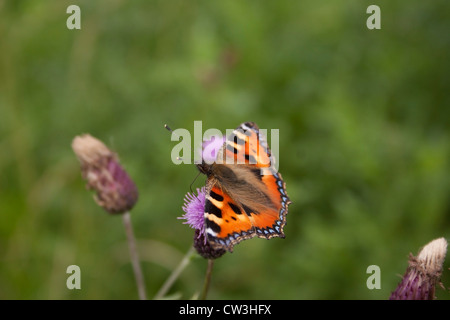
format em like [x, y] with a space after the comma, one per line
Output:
[245, 195]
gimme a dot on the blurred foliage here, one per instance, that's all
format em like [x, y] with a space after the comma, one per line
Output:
[364, 119]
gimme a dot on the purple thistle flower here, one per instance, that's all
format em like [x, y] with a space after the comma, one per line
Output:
[423, 273]
[194, 208]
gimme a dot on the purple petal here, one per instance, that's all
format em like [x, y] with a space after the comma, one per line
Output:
[194, 208]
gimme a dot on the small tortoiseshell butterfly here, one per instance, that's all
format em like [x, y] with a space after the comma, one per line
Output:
[246, 198]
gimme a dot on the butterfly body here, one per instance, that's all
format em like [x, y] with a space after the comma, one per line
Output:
[245, 195]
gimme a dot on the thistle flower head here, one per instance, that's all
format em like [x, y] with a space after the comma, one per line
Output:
[100, 167]
[423, 273]
[194, 208]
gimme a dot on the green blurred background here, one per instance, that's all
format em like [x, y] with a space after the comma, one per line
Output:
[364, 119]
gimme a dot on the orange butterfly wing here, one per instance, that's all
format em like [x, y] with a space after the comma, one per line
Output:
[225, 219]
[229, 221]
[247, 146]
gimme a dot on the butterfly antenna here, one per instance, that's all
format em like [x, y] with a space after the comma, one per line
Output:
[173, 133]
[190, 187]
[177, 136]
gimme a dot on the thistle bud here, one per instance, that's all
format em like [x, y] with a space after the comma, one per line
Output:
[423, 273]
[100, 167]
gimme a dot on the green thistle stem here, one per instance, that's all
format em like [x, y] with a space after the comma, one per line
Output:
[207, 279]
[134, 256]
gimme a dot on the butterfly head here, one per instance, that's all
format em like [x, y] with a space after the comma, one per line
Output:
[204, 168]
